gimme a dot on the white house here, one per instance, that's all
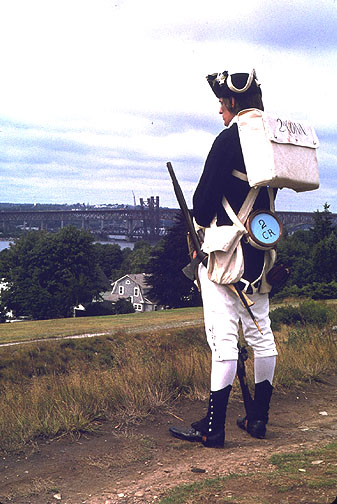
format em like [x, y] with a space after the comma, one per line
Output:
[134, 288]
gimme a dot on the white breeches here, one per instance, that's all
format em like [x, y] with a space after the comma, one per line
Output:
[222, 312]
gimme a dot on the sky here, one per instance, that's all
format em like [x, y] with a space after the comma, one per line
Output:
[97, 95]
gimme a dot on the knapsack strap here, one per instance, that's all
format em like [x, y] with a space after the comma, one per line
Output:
[245, 209]
[240, 175]
[271, 199]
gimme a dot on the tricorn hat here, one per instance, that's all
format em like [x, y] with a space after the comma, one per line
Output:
[225, 85]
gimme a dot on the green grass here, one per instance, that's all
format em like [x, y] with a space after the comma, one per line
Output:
[306, 469]
[134, 322]
[147, 321]
[316, 485]
[292, 462]
[21, 363]
[203, 492]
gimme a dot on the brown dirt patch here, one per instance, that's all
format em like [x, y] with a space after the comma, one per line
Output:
[140, 463]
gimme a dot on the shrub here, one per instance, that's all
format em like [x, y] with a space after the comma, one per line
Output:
[308, 312]
[123, 306]
[324, 290]
[315, 313]
[316, 290]
[284, 315]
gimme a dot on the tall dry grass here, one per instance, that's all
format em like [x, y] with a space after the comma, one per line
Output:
[306, 354]
[61, 388]
[147, 374]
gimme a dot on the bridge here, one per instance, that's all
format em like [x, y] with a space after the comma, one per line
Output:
[145, 221]
[295, 221]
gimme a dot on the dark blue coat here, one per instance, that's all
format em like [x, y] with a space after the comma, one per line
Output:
[217, 181]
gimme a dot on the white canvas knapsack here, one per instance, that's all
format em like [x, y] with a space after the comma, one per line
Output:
[278, 152]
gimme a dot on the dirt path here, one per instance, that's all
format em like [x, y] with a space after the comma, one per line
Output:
[138, 465]
[150, 328]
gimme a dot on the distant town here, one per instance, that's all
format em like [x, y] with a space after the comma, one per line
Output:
[61, 206]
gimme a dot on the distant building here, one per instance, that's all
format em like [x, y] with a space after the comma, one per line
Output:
[134, 288]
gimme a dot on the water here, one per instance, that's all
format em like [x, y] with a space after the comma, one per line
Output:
[4, 244]
[122, 243]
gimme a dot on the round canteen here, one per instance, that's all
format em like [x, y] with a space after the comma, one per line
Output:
[264, 228]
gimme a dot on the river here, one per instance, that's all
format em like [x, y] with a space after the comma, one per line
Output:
[122, 243]
[4, 244]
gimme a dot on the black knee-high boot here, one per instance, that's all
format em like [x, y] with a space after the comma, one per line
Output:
[215, 431]
[256, 420]
[210, 431]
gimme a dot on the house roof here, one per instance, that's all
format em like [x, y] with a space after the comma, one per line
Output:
[107, 296]
[138, 278]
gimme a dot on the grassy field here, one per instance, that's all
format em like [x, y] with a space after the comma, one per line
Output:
[142, 363]
[108, 325]
[148, 321]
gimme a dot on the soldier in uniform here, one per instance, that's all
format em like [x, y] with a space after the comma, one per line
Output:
[225, 175]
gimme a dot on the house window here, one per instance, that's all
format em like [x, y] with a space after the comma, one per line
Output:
[138, 307]
[127, 282]
[136, 291]
[121, 289]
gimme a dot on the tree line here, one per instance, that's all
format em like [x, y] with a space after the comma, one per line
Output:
[310, 255]
[312, 258]
[47, 274]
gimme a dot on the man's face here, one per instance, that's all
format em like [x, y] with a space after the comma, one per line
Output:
[227, 116]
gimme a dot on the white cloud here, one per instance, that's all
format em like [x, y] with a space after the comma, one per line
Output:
[98, 95]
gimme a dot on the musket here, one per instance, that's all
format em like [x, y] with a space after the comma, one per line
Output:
[241, 371]
[201, 256]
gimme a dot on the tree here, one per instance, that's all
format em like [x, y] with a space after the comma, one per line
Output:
[139, 258]
[134, 261]
[325, 259]
[123, 306]
[3, 262]
[3, 311]
[322, 223]
[295, 251]
[110, 257]
[312, 257]
[169, 286]
[48, 274]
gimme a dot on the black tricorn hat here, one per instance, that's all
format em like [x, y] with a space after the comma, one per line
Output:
[225, 85]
